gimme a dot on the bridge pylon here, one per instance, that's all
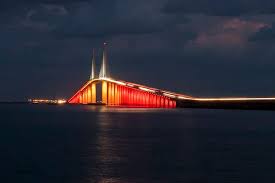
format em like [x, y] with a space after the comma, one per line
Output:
[93, 68]
[104, 73]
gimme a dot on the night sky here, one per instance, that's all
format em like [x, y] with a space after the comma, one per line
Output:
[196, 47]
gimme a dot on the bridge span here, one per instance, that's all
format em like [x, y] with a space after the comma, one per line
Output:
[122, 93]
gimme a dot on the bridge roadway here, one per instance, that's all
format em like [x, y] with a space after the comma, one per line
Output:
[179, 99]
[122, 93]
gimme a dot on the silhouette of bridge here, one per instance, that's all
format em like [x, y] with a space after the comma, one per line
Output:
[122, 93]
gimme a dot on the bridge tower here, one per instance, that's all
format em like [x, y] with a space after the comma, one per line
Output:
[104, 70]
[92, 76]
[92, 87]
[103, 75]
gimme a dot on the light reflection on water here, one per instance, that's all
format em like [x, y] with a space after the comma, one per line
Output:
[108, 144]
[125, 109]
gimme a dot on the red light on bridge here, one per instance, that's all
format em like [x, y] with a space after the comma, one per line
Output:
[119, 94]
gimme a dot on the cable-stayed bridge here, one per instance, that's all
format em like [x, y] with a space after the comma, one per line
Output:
[121, 93]
[111, 92]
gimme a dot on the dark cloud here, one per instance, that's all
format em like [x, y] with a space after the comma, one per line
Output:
[92, 19]
[226, 36]
[265, 34]
[104, 19]
[220, 7]
[46, 46]
[9, 3]
[13, 8]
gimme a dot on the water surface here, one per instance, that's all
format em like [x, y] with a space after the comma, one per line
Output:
[86, 144]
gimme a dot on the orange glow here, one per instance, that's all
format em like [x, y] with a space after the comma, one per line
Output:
[104, 92]
[93, 90]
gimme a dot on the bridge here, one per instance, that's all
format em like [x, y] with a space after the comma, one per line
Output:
[105, 90]
[121, 93]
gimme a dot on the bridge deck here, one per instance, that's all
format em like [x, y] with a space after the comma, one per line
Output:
[190, 101]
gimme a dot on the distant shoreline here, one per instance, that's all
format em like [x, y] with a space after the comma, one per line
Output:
[233, 105]
[188, 104]
[14, 102]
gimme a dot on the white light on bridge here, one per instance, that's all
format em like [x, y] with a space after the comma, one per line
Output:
[169, 95]
[146, 89]
[113, 81]
[119, 82]
[182, 97]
